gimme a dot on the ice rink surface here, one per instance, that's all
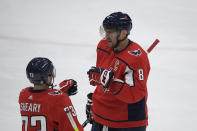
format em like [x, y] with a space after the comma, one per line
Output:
[67, 32]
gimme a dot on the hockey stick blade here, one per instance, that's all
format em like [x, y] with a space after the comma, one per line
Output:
[153, 46]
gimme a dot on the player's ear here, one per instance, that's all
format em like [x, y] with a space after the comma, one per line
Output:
[49, 80]
[123, 33]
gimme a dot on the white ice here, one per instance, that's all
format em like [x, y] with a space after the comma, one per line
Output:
[66, 31]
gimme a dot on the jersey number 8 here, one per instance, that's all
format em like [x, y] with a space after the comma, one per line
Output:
[141, 75]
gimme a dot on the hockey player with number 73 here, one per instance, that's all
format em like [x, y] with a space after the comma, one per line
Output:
[119, 102]
[44, 108]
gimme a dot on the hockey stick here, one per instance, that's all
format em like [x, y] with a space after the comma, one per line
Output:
[72, 121]
[85, 123]
[151, 47]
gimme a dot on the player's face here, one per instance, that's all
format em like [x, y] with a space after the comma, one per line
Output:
[111, 37]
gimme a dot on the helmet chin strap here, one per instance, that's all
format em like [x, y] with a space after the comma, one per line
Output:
[118, 41]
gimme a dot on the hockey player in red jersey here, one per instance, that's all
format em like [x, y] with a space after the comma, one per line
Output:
[44, 108]
[121, 73]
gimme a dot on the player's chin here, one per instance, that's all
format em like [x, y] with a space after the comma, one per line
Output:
[109, 43]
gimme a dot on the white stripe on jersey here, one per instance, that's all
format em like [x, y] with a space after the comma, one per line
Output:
[105, 128]
[129, 76]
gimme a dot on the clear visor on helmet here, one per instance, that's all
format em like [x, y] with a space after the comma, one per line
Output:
[104, 33]
[54, 72]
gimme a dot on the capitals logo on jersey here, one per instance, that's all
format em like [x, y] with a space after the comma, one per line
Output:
[135, 52]
[55, 93]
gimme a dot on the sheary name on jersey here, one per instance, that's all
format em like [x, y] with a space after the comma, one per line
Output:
[32, 107]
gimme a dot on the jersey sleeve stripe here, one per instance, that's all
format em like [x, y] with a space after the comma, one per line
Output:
[129, 77]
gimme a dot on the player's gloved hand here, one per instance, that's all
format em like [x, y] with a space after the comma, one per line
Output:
[88, 108]
[69, 87]
[94, 75]
[99, 76]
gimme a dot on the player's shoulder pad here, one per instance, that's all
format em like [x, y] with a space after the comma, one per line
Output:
[102, 43]
[103, 46]
[25, 89]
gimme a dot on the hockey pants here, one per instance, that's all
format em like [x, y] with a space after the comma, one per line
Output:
[98, 127]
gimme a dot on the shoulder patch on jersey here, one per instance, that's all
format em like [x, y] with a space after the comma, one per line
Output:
[135, 52]
[54, 93]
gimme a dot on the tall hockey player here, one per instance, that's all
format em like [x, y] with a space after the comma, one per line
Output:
[44, 108]
[121, 73]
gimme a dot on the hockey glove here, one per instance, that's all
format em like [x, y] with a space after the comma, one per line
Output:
[99, 76]
[88, 108]
[69, 87]
[94, 75]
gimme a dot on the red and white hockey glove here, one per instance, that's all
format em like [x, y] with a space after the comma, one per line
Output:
[99, 76]
[69, 87]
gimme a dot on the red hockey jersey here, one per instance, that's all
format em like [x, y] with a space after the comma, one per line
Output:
[46, 110]
[123, 105]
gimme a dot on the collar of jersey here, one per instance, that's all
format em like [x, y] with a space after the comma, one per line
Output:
[35, 91]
